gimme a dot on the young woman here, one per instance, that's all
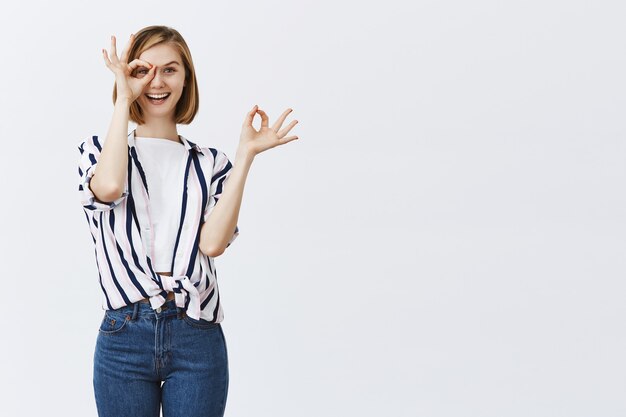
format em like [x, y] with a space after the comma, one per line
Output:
[151, 201]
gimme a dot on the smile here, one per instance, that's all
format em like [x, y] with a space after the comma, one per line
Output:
[157, 98]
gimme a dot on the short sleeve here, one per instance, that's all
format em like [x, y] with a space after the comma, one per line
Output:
[219, 178]
[89, 152]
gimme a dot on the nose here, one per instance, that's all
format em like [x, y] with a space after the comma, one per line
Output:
[157, 81]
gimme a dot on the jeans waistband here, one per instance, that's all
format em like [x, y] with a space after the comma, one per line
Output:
[139, 308]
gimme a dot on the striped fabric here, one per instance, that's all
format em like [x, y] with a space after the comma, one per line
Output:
[124, 261]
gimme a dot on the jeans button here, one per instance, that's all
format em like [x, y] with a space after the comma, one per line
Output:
[158, 310]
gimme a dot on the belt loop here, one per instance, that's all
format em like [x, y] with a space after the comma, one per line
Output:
[135, 310]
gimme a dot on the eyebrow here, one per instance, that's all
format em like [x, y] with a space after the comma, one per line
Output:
[171, 62]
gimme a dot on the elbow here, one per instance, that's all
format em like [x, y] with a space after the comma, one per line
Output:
[115, 193]
[105, 193]
[211, 244]
[212, 251]
[109, 195]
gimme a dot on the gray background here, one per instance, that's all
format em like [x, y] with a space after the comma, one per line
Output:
[446, 238]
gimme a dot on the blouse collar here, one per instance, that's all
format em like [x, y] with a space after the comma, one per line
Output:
[188, 144]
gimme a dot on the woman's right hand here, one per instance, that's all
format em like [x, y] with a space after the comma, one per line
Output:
[128, 86]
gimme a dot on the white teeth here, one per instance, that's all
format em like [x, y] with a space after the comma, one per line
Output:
[157, 96]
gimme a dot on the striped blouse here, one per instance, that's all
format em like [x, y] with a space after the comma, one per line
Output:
[120, 228]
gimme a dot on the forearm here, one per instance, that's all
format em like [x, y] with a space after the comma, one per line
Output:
[110, 175]
[220, 225]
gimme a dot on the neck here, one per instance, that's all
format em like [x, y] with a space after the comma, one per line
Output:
[158, 130]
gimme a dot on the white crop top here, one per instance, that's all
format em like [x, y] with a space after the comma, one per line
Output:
[163, 162]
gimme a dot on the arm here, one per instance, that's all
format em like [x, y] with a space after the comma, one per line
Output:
[220, 226]
[108, 184]
[112, 163]
[217, 231]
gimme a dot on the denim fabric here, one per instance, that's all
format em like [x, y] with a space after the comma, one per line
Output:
[145, 358]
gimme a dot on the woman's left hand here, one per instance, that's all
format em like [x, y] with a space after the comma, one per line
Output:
[266, 137]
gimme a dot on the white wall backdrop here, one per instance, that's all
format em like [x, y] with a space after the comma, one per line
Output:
[447, 238]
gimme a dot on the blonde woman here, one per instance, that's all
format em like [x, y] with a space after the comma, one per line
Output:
[151, 201]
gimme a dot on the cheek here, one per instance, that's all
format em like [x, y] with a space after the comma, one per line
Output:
[180, 81]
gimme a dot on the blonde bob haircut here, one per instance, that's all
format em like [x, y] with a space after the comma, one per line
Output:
[189, 101]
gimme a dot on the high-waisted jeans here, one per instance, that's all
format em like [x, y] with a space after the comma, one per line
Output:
[139, 348]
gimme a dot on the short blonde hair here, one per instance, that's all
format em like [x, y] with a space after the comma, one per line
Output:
[189, 101]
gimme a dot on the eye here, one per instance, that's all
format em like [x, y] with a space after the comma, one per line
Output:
[143, 70]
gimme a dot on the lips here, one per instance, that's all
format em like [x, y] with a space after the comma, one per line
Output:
[157, 98]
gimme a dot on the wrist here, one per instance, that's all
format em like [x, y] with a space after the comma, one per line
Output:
[123, 101]
[244, 154]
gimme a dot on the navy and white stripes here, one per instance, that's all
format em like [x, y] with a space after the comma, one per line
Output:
[122, 233]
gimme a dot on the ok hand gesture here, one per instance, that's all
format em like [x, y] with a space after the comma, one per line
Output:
[128, 86]
[266, 137]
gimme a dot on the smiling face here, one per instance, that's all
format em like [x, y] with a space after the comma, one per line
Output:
[169, 80]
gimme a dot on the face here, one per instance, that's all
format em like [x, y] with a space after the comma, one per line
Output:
[169, 78]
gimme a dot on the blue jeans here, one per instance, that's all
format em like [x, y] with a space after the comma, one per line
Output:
[138, 348]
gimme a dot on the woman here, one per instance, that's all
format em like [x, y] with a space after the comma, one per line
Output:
[150, 199]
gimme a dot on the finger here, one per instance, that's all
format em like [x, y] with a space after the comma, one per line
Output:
[286, 129]
[264, 118]
[149, 76]
[126, 50]
[281, 119]
[107, 62]
[113, 50]
[250, 116]
[136, 62]
[287, 139]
